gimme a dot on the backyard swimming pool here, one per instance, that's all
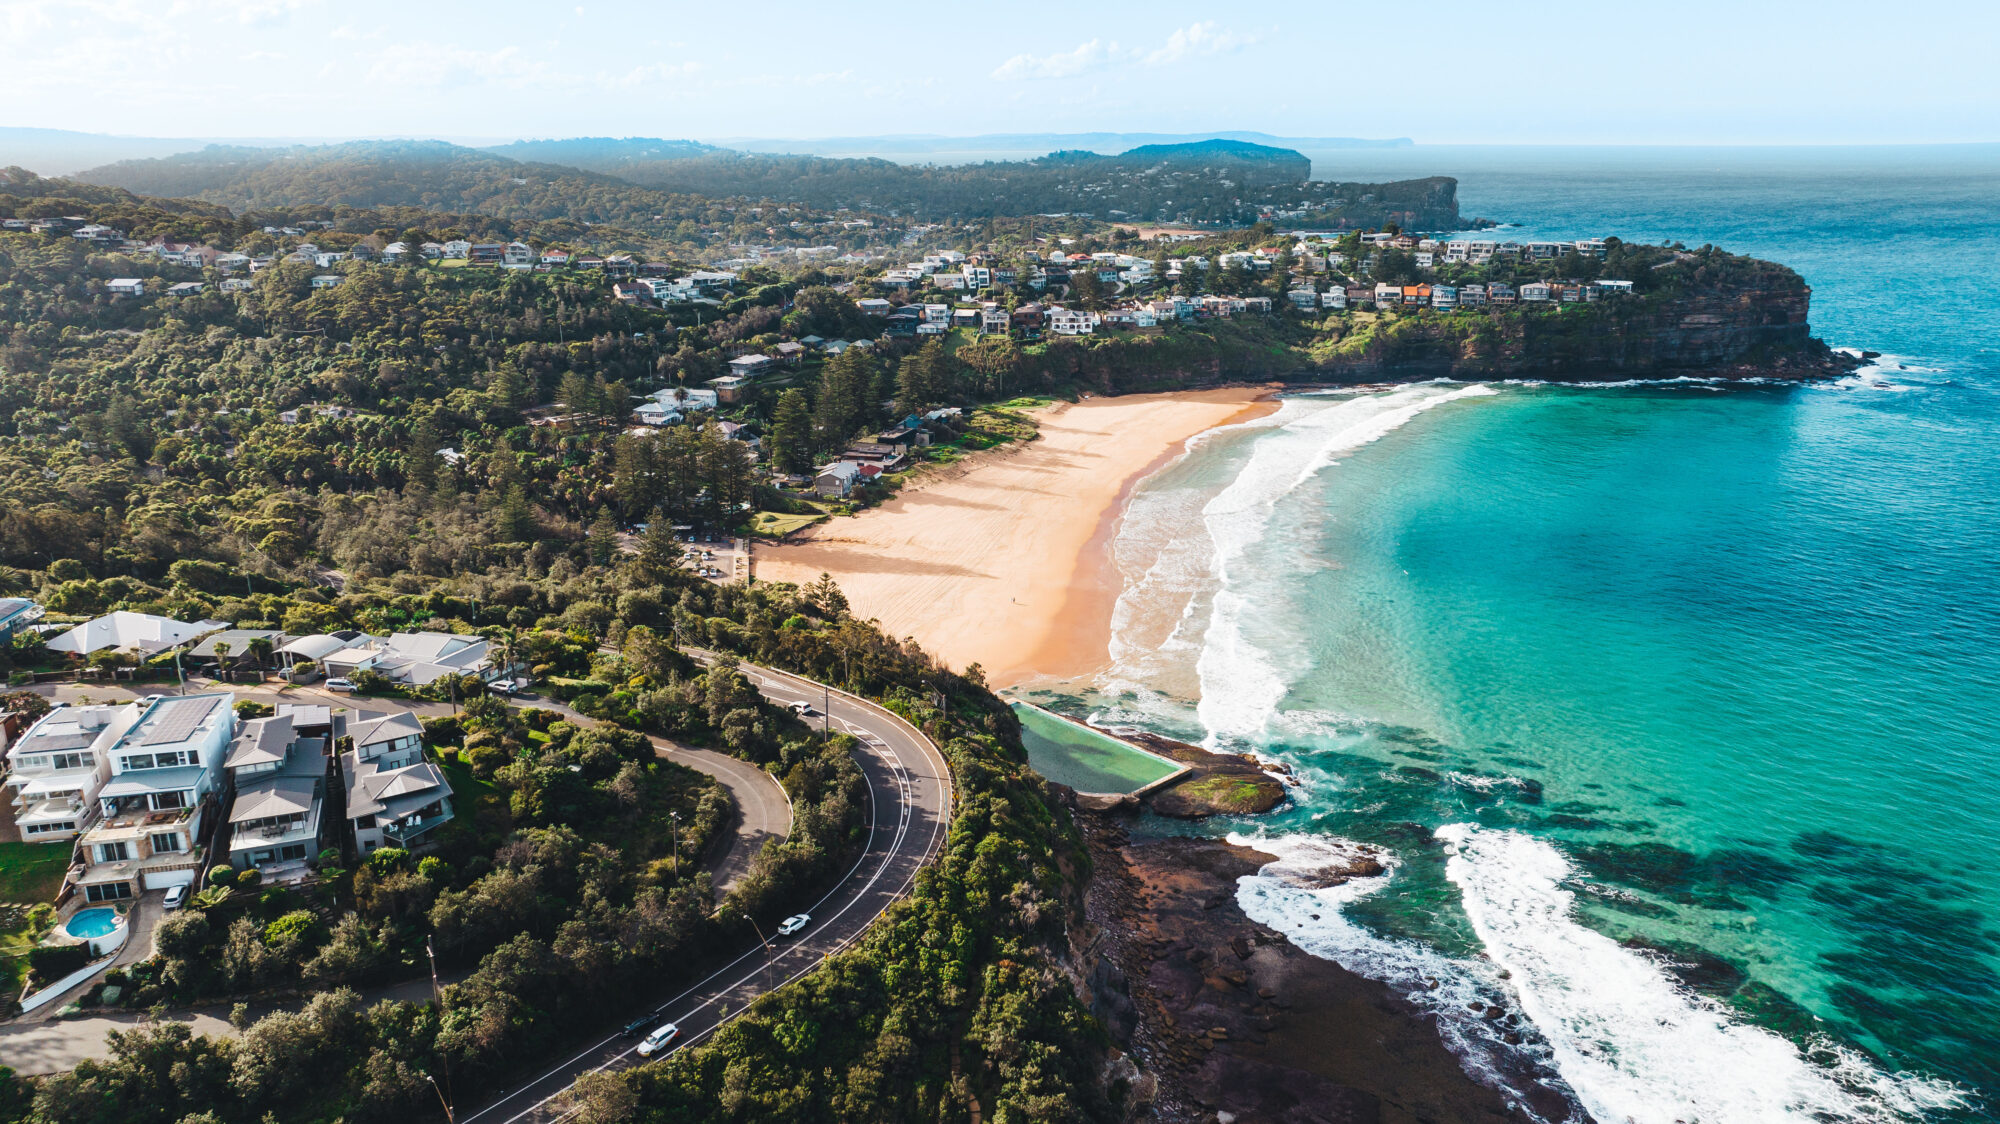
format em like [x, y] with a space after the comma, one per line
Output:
[88, 923]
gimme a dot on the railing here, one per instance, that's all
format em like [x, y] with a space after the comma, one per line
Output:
[407, 829]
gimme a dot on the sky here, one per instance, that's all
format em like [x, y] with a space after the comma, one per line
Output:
[1441, 72]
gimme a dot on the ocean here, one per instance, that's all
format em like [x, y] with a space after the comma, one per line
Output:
[1672, 707]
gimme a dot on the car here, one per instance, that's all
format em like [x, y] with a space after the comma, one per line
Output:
[636, 1027]
[176, 896]
[338, 684]
[657, 1041]
[802, 709]
[793, 924]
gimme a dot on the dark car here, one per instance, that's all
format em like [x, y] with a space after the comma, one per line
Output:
[636, 1027]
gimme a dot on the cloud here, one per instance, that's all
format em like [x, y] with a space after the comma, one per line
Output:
[1068, 64]
[1204, 38]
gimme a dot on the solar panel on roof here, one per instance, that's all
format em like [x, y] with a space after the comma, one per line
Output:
[178, 719]
[68, 739]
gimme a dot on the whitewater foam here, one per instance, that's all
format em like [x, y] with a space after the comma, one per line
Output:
[1630, 1040]
[1243, 679]
[1289, 895]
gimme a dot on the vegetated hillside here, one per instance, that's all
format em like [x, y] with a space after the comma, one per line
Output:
[427, 174]
[1212, 181]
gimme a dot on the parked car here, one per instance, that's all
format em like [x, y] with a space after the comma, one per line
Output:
[636, 1027]
[657, 1041]
[339, 684]
[793, 924]
[176, 896]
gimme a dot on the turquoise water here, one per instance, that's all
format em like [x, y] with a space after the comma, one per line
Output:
[1672, 706]
[88, 923]
[1083, 759]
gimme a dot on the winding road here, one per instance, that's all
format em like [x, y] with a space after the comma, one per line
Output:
[910, 802]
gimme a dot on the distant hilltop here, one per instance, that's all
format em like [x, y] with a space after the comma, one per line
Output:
[1215, 181]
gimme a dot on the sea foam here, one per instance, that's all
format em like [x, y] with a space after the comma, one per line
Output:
[1243, 679]
[1630, 1040]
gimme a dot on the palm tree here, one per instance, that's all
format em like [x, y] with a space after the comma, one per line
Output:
[222, 659]
[260, 647]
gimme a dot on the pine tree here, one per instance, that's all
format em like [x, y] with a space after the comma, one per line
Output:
[659, 551]
[425, 440]
[603, 541]
[791, 432]
[514, 520]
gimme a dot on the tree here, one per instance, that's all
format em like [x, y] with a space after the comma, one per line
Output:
[659, 551]
[791, 432]
[603, 538]
[920, 377]
[843, 405]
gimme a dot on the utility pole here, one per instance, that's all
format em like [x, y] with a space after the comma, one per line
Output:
[676, 817]
[437, 993]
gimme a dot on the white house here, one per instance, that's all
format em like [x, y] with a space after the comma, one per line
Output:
[132, 632]
[166, 769]
[279, 777]
[327, 281]
[58, 766]
[457, 248]
[411, 658]
[1387, 295]
[1072, 322]
[1534, 291]
[394, 797]
[518, 255]
[126, 286]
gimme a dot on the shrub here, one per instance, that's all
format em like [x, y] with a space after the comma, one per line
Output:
[250, 878]
[387, 860]
[328, 858]
[222, 876]
[53, 962]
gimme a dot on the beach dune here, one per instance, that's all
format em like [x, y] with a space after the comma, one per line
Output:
[1004, 560]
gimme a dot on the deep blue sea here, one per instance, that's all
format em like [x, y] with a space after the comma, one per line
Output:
[1673, 708]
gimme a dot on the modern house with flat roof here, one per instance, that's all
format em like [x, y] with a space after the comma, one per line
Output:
[395, 798]
[166, 770]
[16, 613]
[279, 778]
[58, 766]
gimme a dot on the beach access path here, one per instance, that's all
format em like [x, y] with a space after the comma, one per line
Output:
[1005, 560]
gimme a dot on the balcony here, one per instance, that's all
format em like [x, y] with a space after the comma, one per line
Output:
[404, 831]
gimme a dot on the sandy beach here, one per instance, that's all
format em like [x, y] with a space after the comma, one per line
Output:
[1004, 560]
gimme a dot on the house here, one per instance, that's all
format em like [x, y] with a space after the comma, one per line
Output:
[278, 775]
[239, 647]
[1536, 291]
[965, 318]
[128, 631]
[166, 771]
[631, 292]
[937, 314]
[1387, 296]
[994, 320]
[789, 353]
[555, 257]
[395, 798]
[680, 398]
[17, 613]
[875, 306]
[1071, 322]
[1334, 298]
[56, 768]
[1471, 296]
[1305, 300]
[396, 252]
[1444, 297]
[486, 253]
[1619, 288]
[457, 248]
[97, 232]
[415, 658]
[327, 281]
[126, 286]
[237, 285]
[1499, 292]
[186, 288]
[730, 388]
[750, 366]
[518, 255]
[1417, 295]
[836, 479]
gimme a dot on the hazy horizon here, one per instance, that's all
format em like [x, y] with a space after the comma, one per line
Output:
[1572, 74]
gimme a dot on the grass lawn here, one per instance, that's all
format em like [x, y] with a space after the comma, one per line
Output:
[31, 873]
[779, 524]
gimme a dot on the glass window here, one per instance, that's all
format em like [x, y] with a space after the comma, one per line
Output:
[166, 842]
[113, 852]
[169, 800]
[110, 891]
[139, 761]
[71, 760]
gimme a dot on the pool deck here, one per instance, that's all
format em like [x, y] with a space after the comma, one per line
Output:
[1176, 770]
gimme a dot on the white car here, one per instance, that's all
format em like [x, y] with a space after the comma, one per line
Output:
[339, 685]
[793, 924]
[657, 1041]
[802, 709]
[176, 895]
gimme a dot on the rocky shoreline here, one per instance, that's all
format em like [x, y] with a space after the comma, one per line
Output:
[1224, 1020]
